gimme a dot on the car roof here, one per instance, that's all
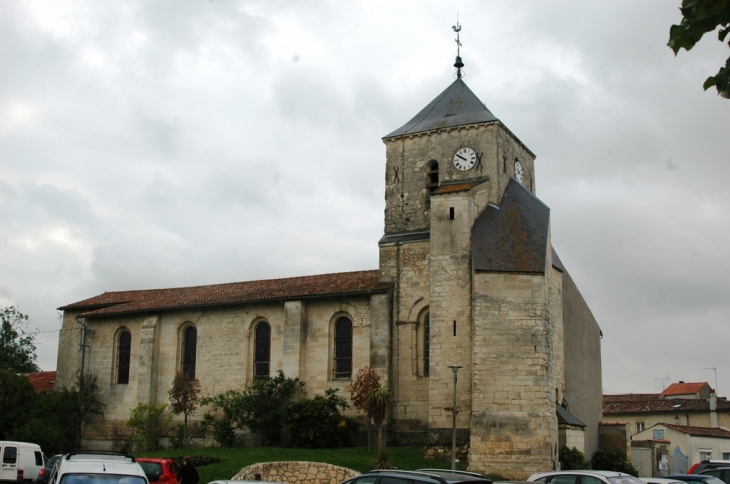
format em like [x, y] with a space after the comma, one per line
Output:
[152, 459]
[228, 481]
[688, 477]
[660, 480]
[438, 475]
[718, 468]
[581, 472]
[107, 463]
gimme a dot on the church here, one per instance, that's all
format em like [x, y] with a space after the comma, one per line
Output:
[470, 303]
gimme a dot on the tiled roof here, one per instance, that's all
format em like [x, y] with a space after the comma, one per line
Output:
[699, 431]
[458, 187]
[512, 237]
[612, 424]
[621, 404]
[683, 388]
[42, 381]
[126, 302]
[457, 105]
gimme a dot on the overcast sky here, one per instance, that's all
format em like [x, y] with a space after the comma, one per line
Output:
[171, 143]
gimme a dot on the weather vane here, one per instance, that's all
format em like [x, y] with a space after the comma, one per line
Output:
[458, 64]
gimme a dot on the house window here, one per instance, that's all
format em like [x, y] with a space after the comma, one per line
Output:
[640, 426]
[189, 342]
[705, 455]
[343, 348]
[124, 348]
[262, 351]
[726, 456]
[658, 434]
[426, 344]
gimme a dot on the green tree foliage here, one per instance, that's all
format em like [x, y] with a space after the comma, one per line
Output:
[379, 401]
[88, 405]
[17, 342]
[365, 379]
[318, 423]
[51, 422]
[184, 398]
[16, 400]
[572, 459]
[260, 408]
[698, 18]
[612, 460]
[148, 423]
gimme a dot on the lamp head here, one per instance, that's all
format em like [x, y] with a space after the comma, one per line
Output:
[455, 368]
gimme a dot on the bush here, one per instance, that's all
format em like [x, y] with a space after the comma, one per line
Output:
[572, 459]
[148, 424]
[612, 460]
[318, 423]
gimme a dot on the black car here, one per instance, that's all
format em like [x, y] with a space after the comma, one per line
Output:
[423, 476]
[722, 473]
[45, 474]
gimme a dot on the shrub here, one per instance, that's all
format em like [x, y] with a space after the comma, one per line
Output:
[318, 423]
[148, 423]
[612, 460]
[572, 459]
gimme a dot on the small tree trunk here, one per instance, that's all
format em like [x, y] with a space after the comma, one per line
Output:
[380, 438]
[368, 427]
[185, 431]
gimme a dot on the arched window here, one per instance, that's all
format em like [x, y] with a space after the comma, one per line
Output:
[124, 348]
[343, 348]
[426, 344]
[262, 350]
[189, 342]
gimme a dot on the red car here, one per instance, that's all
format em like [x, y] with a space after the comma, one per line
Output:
[158, 470]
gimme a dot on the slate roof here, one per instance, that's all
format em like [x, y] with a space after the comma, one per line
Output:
[128, 302]
[567, 418]
[513, 237]
[457, 105]
[42, 381]
[698, 431]
[682, 388]
[620, 404]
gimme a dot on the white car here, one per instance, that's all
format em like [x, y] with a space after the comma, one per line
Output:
[584, 477]
[660, 480]
[94, 467]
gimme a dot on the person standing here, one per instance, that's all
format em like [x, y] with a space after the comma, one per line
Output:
[188, 474]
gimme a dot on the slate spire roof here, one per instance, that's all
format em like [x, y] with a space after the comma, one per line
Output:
[457, 105]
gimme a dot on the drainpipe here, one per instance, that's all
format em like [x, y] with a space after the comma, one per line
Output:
[81, 380]
[713, 410]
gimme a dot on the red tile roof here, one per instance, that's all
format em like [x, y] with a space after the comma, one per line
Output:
[630, 397]
[699, 431]
[612, 424]
[42, 381]
[683, 388]
[126, 302]
[622, 404]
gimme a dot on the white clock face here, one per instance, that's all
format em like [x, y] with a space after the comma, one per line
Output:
[518, 171]
[464, 159]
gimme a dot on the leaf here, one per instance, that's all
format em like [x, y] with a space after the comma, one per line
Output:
[709, 82]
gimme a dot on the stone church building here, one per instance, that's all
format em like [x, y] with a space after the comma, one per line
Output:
[468, 276]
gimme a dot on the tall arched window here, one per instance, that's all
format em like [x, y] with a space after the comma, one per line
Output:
[426, 344]
[124, 348]
[262, 350]
[343, 348]
[189, 342]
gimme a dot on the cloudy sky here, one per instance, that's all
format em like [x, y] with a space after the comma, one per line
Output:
[169, 143]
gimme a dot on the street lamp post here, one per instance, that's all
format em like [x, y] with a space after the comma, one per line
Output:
[455, 369]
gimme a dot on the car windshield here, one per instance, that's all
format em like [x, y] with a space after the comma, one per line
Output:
[101, 479]
[153, 470]
[52, 461]
[624, 480]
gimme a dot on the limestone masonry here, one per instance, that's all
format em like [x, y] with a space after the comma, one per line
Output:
[468, 276]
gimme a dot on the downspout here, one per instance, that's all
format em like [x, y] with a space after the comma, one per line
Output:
[81, 379]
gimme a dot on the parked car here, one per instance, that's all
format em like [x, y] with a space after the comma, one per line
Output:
[695, 478]
[584, 477]
[660, 480]
[96, 467]
[242, 482]
[722, 473]
[708, 464]
[21, 461]
[425, 476]
[159, 470]
[44, 475]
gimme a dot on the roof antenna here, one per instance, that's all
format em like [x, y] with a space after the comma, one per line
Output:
[458, 64]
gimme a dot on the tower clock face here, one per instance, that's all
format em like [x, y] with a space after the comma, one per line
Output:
[519, 172]
[464, 159]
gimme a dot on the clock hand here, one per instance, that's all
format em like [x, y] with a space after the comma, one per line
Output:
[457, 154]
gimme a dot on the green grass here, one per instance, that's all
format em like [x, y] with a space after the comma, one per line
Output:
[357, 458]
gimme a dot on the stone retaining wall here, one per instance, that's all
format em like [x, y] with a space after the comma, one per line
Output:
[293, 472]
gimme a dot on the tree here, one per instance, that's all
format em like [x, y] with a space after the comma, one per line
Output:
[17, 348]
[699, 18]
[184, 398]
[148, 422]
[379, 401]
[88, 405]
[612, 460]
[318, 423]
[572, 459]
[360, 389]
[16, 399]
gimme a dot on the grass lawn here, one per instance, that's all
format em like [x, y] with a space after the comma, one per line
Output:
[357, 458]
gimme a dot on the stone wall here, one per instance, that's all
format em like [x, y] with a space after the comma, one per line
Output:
[294, 472]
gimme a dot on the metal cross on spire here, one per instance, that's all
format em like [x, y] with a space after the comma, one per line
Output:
[458, 64]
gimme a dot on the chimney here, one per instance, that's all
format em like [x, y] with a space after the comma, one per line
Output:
[713, 410]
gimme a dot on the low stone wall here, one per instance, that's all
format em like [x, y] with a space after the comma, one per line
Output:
[293, 472]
